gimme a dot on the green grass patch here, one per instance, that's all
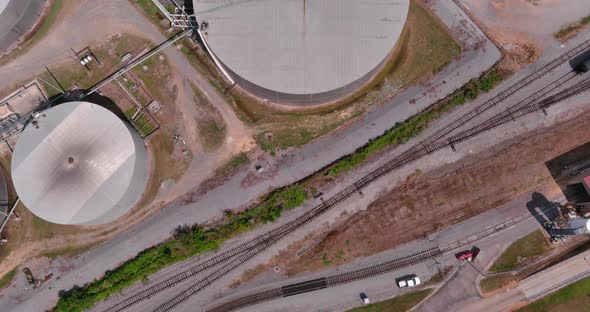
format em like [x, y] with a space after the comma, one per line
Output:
[71, 74]
[147, 129]
[67, 251]
[565, 31]
[397, 304]
[162, 149]
[572, 298]
[404, 131]
[139, 96]
[7, 278]
[148, 9]
[154, 77]
[534, 244]
[130, 112]
[234, 162]
[144, 124]
[325, 260]
[186, 242]
[212, 134]
[493, 283]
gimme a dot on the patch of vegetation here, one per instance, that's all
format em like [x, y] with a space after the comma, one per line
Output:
[67, 251]
[147, 129]
[7, 278]
[570, 29]
[152, 13]
[143, 123]
[534, 244]
[404, 131]
[493, 283]
[572, 298]
[397, 304]
[185, 243]
[168, 168]
[325, 260]
[71, 74]
[212, 134]
[130, 112]
[234, 162]
[153, 74]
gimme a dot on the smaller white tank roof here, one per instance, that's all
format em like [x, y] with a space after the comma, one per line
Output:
[78, 164]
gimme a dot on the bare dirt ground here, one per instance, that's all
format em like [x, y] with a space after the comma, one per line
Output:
[427, 202]
[537, 20]
[519, 49]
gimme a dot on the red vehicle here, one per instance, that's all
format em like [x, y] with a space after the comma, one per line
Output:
[465, 255]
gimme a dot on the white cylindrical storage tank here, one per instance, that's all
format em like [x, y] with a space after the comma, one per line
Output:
[18, 17]
[299, 51]
[78, 163]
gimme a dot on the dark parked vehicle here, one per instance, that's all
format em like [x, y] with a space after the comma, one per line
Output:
[581, 63]
[364, 298]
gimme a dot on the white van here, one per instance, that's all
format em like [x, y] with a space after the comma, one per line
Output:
[409, 281]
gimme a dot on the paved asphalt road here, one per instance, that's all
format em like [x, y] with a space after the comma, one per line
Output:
[460, 290]
[89, 19]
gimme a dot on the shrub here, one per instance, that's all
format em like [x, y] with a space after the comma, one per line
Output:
[404, 131]
[186, 241]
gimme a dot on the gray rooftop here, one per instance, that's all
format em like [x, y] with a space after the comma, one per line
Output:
[302, 46]
[78, 165]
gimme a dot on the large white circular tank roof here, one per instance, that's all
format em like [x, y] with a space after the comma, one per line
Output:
[17, 17]
[301, 47]
[79, 163]
[3, 4]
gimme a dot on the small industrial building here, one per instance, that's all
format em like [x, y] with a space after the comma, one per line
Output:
[571, 172]
[78, 163]
[17, 18]
[301, 51]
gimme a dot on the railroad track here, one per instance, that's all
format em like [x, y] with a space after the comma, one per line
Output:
[328, 281]
[545, 69]
[234, 257]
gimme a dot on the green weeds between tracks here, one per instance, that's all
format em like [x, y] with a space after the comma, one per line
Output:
[185, 243]
[404, 131]
[566, 31]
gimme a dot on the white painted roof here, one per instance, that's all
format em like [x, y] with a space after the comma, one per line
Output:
[76, 166]
[302, 46]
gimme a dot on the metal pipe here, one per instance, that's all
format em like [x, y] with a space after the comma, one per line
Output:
[138, 61]
[9, 214]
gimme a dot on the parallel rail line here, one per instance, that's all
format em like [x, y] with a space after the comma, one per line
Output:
[328, 281]
[376, 174]
[245, 251]
[545, 69]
